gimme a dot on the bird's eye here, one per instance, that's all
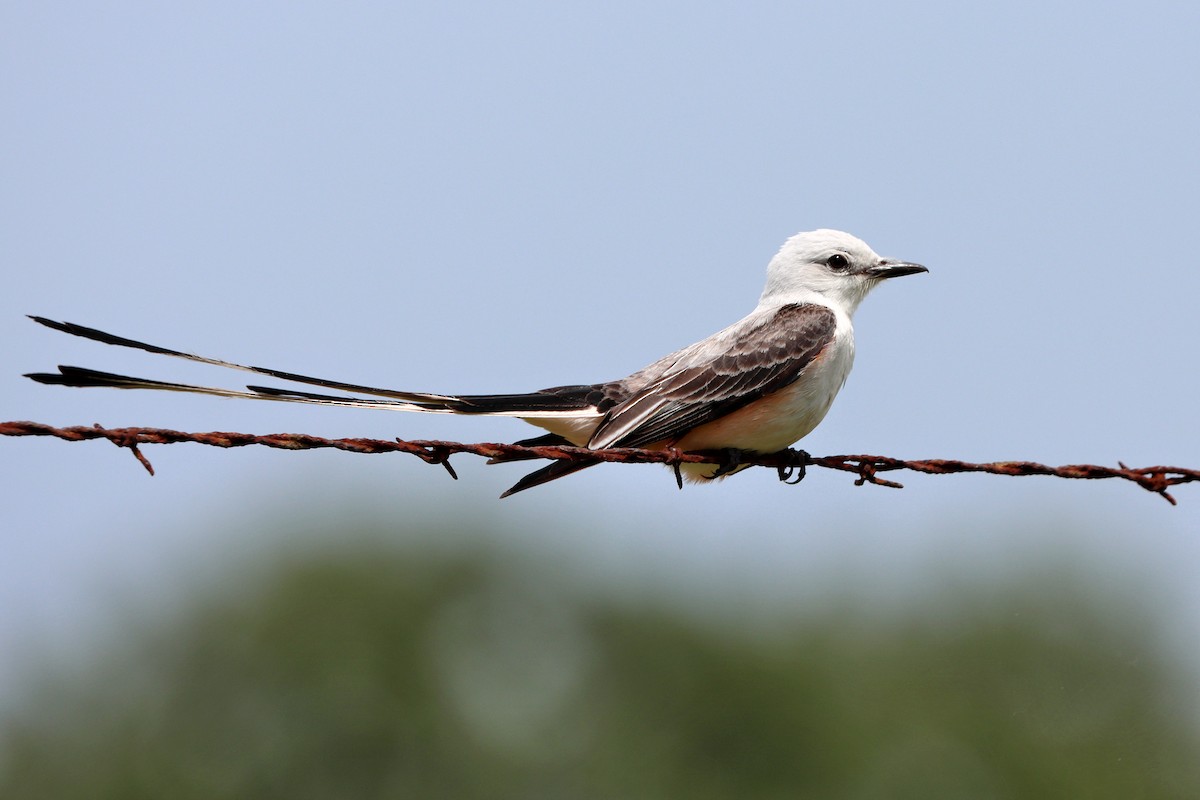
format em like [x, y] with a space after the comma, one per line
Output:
[838, 262]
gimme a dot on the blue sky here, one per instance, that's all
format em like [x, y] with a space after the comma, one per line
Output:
[501, 197]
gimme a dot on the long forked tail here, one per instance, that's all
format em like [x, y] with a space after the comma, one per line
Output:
[568, 401]
[561, 402]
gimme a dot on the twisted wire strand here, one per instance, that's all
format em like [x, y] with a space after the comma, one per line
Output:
[790, 464]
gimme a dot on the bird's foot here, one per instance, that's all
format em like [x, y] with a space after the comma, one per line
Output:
[729, 463]
[796, 468]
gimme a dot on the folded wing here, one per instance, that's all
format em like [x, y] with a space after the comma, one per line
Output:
[718, 376]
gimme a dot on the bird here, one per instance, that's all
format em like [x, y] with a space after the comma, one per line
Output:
[759, 385]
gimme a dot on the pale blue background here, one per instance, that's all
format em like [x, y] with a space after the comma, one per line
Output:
[495, 197]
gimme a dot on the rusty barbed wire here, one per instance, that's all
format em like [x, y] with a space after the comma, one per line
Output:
[790, 464]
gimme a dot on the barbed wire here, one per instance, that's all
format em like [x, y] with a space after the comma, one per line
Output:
[790, 464]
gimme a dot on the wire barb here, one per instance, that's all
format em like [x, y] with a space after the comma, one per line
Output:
[130, 442]
[791, 465]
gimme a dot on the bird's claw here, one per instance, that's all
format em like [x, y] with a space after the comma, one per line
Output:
[731, 462]
[797, 466]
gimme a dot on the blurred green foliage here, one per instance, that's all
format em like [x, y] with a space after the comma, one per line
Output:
[372, 672]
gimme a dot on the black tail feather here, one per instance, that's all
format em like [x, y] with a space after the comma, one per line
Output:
[84, 377]
[559, 469]
[548, 440]
[559, 398]
[120, 341]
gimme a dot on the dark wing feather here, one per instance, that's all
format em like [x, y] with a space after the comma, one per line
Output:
[554, 471]
[762, 360]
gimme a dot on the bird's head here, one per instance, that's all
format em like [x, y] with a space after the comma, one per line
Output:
[829, 265]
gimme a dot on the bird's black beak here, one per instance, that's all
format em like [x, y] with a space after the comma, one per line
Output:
[894, 269]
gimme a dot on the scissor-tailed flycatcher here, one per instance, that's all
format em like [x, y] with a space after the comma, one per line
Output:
[760, 385]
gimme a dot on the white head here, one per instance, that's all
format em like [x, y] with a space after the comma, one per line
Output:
[831, 266]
